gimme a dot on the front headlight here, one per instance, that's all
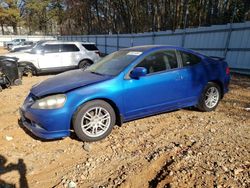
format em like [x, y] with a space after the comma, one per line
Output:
[50, 102]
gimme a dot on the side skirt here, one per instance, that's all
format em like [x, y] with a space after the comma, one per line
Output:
[55, 69]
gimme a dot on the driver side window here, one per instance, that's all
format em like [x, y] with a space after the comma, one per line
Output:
[159, 61]
[51, 48]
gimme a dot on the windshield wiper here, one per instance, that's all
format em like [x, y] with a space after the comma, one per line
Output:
[96, 73]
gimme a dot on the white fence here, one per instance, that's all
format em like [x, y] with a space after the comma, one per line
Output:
[231, 41]
[4, 38]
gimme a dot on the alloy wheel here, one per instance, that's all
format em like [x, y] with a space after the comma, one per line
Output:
[212, 97]
[95, 122]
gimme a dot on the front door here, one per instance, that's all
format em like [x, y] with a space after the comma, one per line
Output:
[159, 90]
[50, 57]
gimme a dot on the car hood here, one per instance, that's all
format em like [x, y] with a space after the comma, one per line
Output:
[64, 82]
[22, 56]
[14, 54]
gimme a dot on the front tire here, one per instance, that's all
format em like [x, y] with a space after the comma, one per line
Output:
[94, 121]
[29, 69]
[210, 97]
[29, 73]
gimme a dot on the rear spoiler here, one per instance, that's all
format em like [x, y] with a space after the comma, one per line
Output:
[217, 58]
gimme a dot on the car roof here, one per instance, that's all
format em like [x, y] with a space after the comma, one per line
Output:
[47, 40]
[151, 47]
[68, 42]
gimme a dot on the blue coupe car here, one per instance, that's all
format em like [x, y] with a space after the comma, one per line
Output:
[126, 85]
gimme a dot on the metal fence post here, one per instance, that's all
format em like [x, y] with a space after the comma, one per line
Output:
[153, 37]
[185, 26]
[183, 38]
[228, 40]
[105, 44]
[132, 40]
[117, 42]
[96, 40]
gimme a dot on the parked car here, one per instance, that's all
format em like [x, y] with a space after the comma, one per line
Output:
[126, 85]
[23, 44]
[13, 42]
[57, 56]
[10, 74]
[35, 46]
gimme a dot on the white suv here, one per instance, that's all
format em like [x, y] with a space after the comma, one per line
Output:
[57, 56]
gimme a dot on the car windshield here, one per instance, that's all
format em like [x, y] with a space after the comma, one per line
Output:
[114, 63]
[33, 45]
[35, 48]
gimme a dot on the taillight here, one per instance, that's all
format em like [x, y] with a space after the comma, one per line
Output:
[98, 53]
[227, 71]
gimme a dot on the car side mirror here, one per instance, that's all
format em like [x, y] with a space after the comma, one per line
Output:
[138, 72]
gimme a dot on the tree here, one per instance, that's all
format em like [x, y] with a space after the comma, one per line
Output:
[10, 14]
[120, 16]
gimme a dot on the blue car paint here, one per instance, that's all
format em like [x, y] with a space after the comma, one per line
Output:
[133, 98]
[66, 81]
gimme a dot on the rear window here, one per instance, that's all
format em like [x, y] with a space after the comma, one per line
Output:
[69, 48]
[90, 47]
[189, 59]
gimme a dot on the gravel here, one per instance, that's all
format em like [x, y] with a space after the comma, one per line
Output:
[184, 148]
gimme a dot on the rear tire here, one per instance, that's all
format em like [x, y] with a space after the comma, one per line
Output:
[30, 71]
[210, 97]
[84, 64]
[94, 120]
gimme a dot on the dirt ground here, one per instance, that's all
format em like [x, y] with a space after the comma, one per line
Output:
[3, 51]
[184, 148]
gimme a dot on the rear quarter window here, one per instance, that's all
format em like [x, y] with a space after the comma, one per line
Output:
[69, 48]
[90, 47]
[189, 59]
